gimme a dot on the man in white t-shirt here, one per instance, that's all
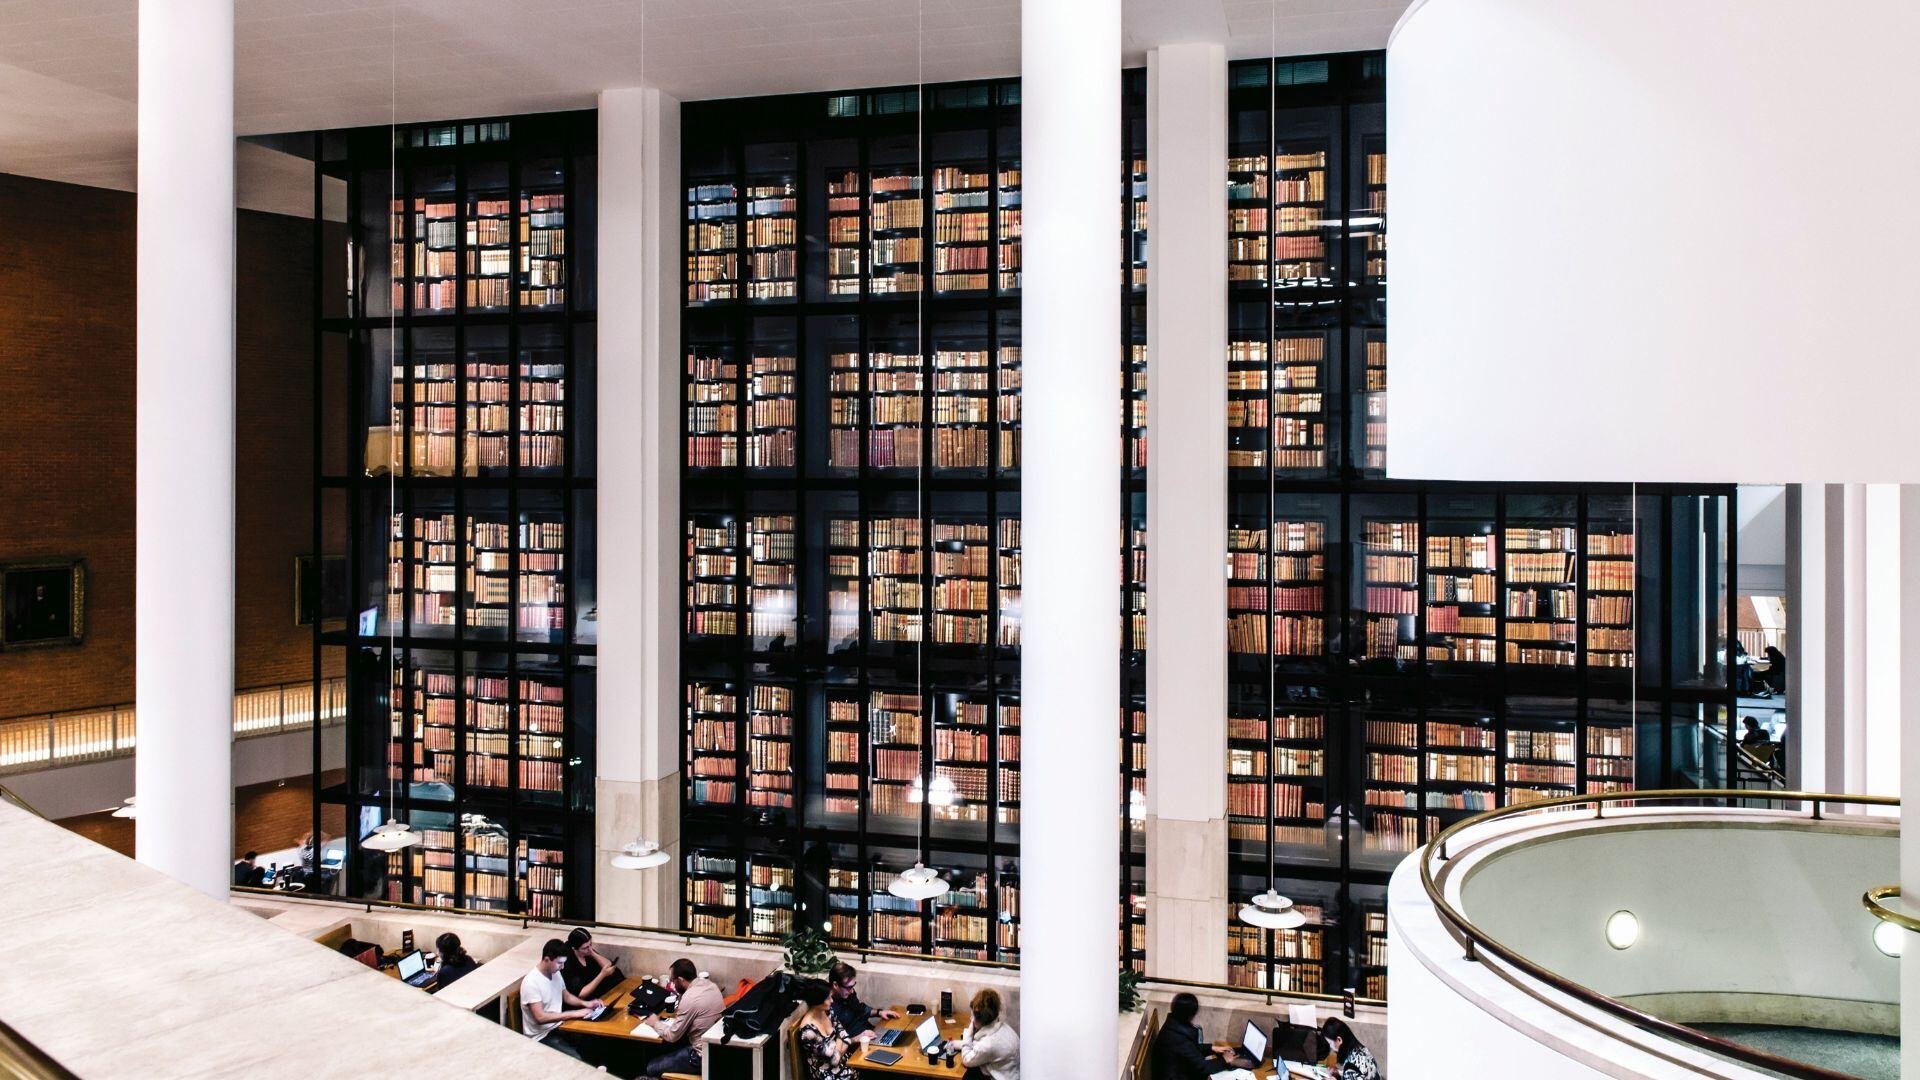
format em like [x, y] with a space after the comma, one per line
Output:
[545, 1001]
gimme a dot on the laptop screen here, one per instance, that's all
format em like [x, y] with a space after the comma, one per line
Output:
[412, 964]
[1255, 1041]
[928, 1032]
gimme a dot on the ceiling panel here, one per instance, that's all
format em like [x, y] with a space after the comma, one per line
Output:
[305, 64]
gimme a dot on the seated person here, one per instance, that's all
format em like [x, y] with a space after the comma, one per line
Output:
[546, 1003]
[698, 1009]
[364, 951]
[849, 1011]
[248, 871]
[990, 1049]
[1754, 736]
[587, 973]
[1181, 1053]
[1352, 1061]
[824, 1044]
[453, 961]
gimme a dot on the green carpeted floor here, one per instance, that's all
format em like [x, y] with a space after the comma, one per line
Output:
[1872, 1057]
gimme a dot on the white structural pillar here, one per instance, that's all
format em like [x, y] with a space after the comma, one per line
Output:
[1070, 514]
[1880, 750]
[1909, 758]
[1187, 514]
[637, 792]
[1833, 646]
[1806, 644]
[183, 512]
[1853, 638]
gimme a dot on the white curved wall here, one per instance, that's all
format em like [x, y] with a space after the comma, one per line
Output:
[1722, 909]
[1741, 911]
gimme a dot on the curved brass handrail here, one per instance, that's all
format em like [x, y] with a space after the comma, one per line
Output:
[1477, 941]
[1872, 898]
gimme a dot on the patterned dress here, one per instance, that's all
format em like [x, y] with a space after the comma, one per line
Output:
[818, 1050]
[1359, 1066]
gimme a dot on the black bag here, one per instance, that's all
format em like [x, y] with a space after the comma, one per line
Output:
[761, 1009]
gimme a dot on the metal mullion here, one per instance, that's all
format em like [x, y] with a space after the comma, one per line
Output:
[317, 497]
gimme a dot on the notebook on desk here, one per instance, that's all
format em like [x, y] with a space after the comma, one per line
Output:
[882, 1057]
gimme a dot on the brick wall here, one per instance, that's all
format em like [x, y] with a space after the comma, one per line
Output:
[67, 432]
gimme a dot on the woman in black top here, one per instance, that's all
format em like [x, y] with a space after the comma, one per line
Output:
[586, 973]
[454, 961]
[1352, 1061]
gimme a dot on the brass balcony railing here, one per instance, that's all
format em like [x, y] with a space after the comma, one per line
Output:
[49, 740]
[1479, 946]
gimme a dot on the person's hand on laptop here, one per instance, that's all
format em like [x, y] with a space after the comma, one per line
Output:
[887, 1014]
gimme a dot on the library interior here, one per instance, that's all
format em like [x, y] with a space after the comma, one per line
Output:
[537, 533]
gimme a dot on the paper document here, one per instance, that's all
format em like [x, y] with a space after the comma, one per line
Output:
[645, 1030]
[1232, 1074]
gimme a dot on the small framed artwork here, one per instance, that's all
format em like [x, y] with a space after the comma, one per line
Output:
[43, 603]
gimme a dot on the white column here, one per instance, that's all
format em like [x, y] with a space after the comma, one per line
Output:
[1833, 646]
[1187, 514]
[1909, 582]
[1880, 749]
[637, 792]
[183, 511]
[1853, 747]
[1806, 637]
[1070, 513]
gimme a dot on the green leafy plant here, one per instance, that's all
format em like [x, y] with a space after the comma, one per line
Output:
[1129, 990]
[808, 951]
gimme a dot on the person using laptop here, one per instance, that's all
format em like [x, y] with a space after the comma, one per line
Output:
[546, 1003]
[1180, 1052]
[853, 1014]
[824, 1044]
[453, 961]
[990, 1049]
[587, 972]
[1352, 1061]
[698, 1009]
[248, 871]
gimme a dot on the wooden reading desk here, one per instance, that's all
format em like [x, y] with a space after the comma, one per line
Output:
[912, 1062]
[616, 1022]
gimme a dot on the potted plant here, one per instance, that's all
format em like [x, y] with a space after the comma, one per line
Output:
[809, 952]
[1129, 990]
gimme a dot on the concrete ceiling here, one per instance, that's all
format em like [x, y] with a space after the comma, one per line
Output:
[68, 68]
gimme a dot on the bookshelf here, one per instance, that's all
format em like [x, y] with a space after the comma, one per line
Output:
[850, 503]
[448, 473]
[1390, 589]
[772, 239]
[712, 884]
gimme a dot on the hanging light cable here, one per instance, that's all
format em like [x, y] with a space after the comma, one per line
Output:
[920, 883]
[1270, 910]
[395, 835]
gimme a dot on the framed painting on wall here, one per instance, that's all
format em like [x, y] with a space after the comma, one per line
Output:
[43, 603]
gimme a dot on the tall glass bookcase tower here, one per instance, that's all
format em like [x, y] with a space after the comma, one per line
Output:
[1405, 653]
[850, 485]
[454, 389]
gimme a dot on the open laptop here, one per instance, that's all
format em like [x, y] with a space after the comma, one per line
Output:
[889, 1036]
[1253, 1045]
[413, 969]
[929, 1035]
